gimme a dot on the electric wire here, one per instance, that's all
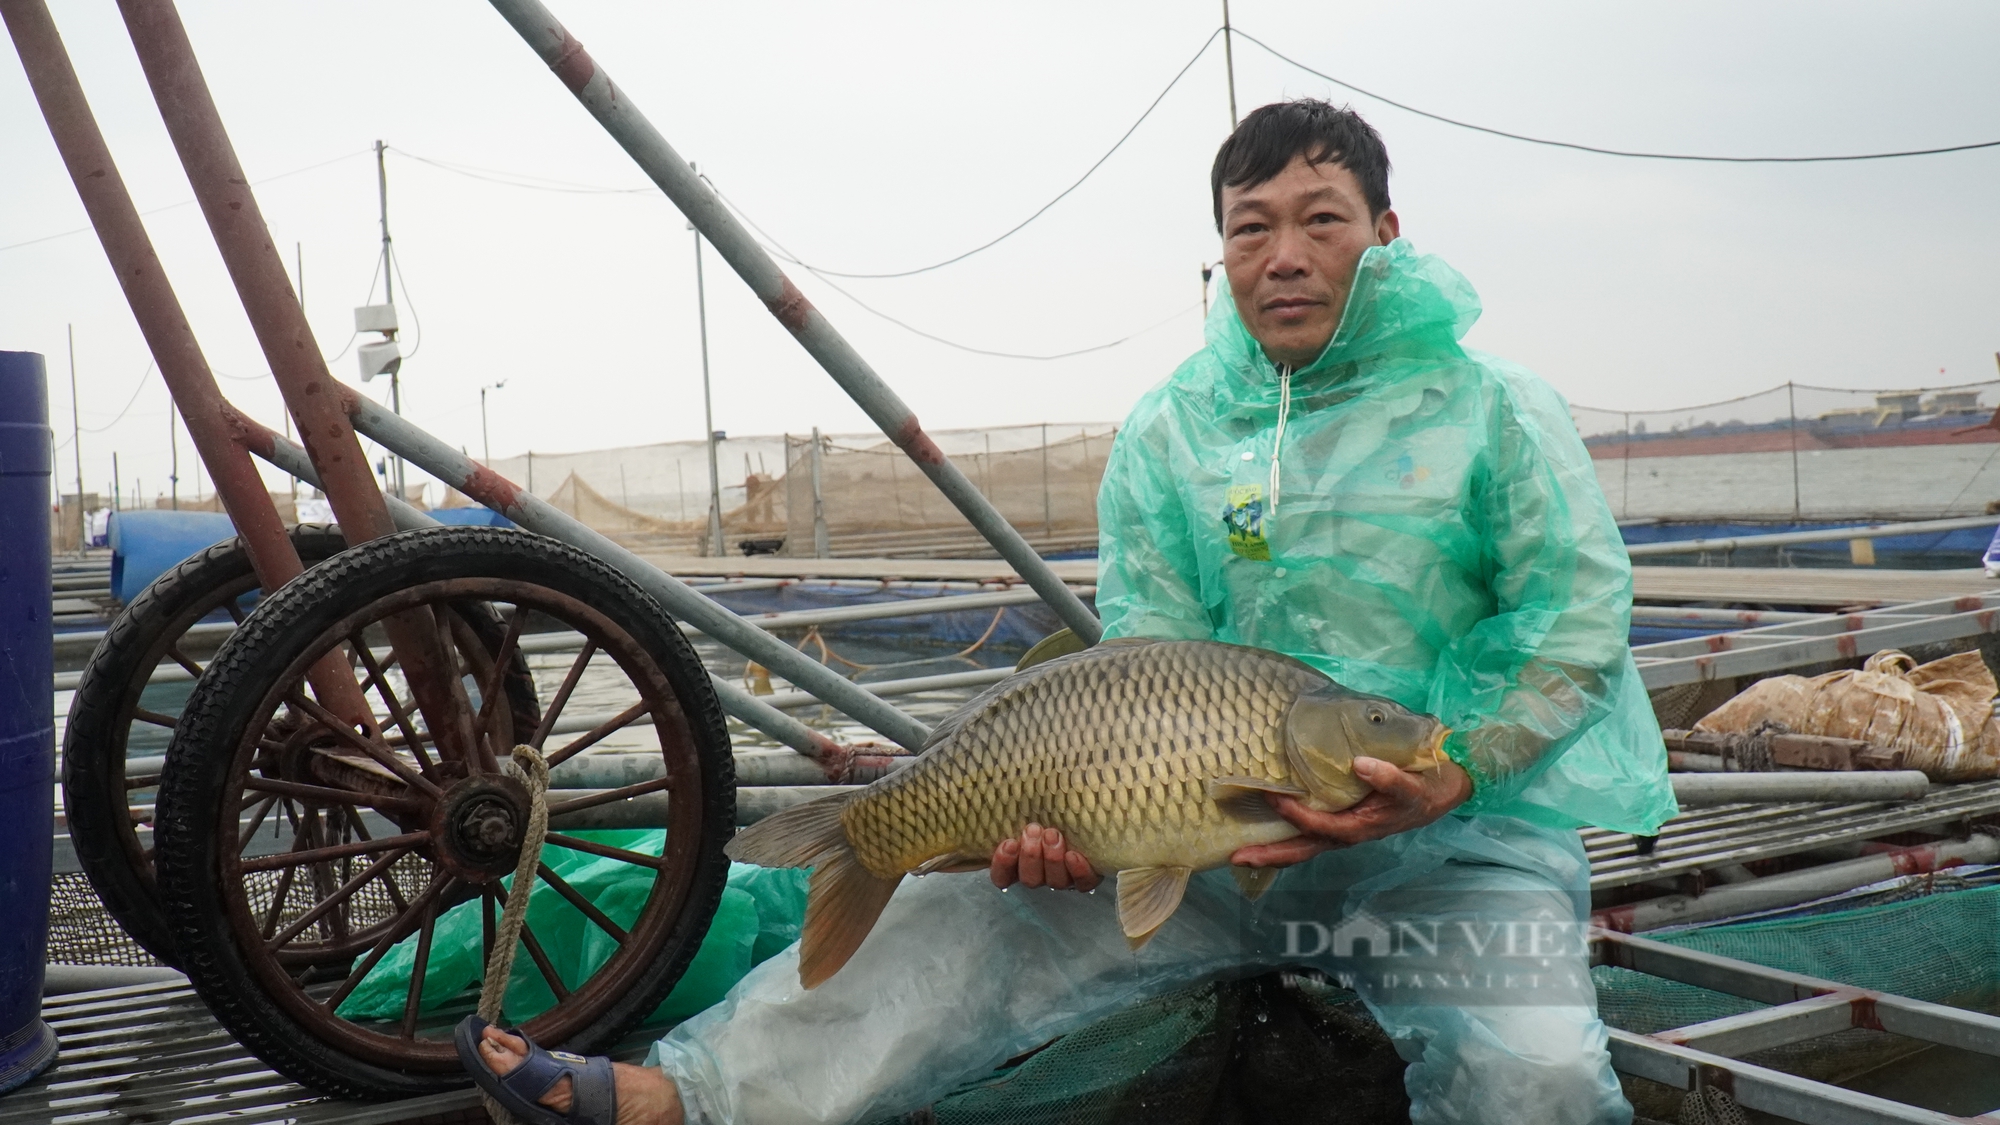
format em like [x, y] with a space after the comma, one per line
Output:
[1407, 108]
[539, 183]
[143, 376]
[776, 247]
[186, 202]
[823, 272]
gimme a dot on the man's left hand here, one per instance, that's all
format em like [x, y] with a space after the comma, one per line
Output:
[1402, 800]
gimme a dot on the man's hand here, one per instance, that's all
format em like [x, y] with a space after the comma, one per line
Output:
[1402, 800]
[1039, 859]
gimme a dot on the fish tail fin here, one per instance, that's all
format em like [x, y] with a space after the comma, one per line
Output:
[842, 903]
[795, 837]
[843, 898]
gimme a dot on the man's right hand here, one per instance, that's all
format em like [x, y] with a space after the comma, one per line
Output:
[1039, 859]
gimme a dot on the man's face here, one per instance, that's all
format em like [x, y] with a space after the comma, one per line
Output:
[1290, 246]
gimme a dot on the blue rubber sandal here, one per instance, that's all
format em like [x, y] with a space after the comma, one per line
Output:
[593, 1092]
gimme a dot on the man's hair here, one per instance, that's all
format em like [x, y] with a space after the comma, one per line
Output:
[1322, 132]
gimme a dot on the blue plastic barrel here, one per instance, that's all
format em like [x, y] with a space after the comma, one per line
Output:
[146, 544]
[27, 717]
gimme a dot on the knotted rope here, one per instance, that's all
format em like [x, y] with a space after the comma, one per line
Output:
[534, 774]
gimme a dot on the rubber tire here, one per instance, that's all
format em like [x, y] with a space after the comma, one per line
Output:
[94, 794]
[200, 762]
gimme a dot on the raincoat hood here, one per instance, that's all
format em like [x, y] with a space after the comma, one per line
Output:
[1403, 304]
[1413, 518]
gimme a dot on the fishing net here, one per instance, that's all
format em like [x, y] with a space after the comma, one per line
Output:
[1275, 1047]
[777, 491]
[1943, 948]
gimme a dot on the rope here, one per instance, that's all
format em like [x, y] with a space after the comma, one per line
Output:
[534, 773]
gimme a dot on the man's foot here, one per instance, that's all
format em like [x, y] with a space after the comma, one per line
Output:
[645, 1097]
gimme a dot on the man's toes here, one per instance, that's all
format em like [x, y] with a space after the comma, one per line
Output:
[504, 1052]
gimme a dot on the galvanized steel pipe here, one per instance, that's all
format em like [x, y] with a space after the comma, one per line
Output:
[1705, 788]
[1774, 891]
[622, 119]
[1794, 538]
[537, 515]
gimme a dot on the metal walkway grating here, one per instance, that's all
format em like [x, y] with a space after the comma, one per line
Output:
[1710, 837]
[152, 1055]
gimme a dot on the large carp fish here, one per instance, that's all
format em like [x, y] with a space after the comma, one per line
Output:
[1151, 757]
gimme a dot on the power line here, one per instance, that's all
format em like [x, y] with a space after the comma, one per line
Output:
[1039, 211]
[538, 183]
[143, 376]
[186, 202]
[1275, 53]
[778, 248]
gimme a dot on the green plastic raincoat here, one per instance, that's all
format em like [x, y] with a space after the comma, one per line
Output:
[1414, 519]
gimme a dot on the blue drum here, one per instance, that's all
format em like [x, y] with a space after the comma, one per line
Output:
[27, 724]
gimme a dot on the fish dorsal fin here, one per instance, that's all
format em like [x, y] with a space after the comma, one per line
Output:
[1062, 642]
[1254, 880]
[1147, 897]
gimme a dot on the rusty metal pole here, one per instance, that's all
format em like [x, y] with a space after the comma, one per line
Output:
[161, 321]
[615, 111]
[310, 392]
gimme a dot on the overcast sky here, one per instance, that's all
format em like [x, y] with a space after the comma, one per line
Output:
[884, 136]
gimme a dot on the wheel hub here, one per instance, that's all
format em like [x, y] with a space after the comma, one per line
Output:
[478, 825]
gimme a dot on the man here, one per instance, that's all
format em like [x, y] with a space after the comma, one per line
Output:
[1332, 476]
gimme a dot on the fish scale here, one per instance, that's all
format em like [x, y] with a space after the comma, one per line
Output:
[1114, 746]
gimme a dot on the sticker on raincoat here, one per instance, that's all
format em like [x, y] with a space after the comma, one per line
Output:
[1243, 518]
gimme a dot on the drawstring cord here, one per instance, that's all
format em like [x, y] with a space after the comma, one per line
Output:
[1278, 442]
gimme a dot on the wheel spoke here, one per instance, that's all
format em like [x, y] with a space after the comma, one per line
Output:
[583, 905]
[235, 610]
[340, 895]
[323, 795]
[181, 658]
[490, 692]
[541, 960]
[284, 889]
[257, 821]
[592, 847]
[156, 718]
[607, 796]
[391, 934]
[404, 842]
[454, 678]
[556, 705]
[599, 733]
[378, 677]
[374, 750]
[415, 997]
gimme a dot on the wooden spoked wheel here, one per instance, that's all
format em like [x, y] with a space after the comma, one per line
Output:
[298, 849]
[126, 705]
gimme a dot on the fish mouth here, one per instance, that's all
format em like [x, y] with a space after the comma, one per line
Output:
[1436, 748]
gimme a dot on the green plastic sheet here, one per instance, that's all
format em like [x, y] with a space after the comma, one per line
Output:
[759, 915]
[1437, 535]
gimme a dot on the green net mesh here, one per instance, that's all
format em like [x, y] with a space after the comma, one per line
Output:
[1287, 1047]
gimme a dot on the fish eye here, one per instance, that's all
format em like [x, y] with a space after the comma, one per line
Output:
[1375, 717]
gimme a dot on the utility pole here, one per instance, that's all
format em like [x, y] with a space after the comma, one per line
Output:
[1229, 62]
[389, 292]
[486, 445]
[76, 447]
[115, 505]
[174, 450]
[715, 547]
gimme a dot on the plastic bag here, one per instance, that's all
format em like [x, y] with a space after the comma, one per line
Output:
[1940, 715]
[958, 976]
[1432, 530]
[759, 915]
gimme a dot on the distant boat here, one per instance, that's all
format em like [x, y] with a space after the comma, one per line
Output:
[1896, 419]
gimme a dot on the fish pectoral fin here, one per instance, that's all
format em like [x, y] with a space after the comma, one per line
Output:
[1254, 880]
[1242, 798]
[1222, 788]
[1147, 897]
[951, 862]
